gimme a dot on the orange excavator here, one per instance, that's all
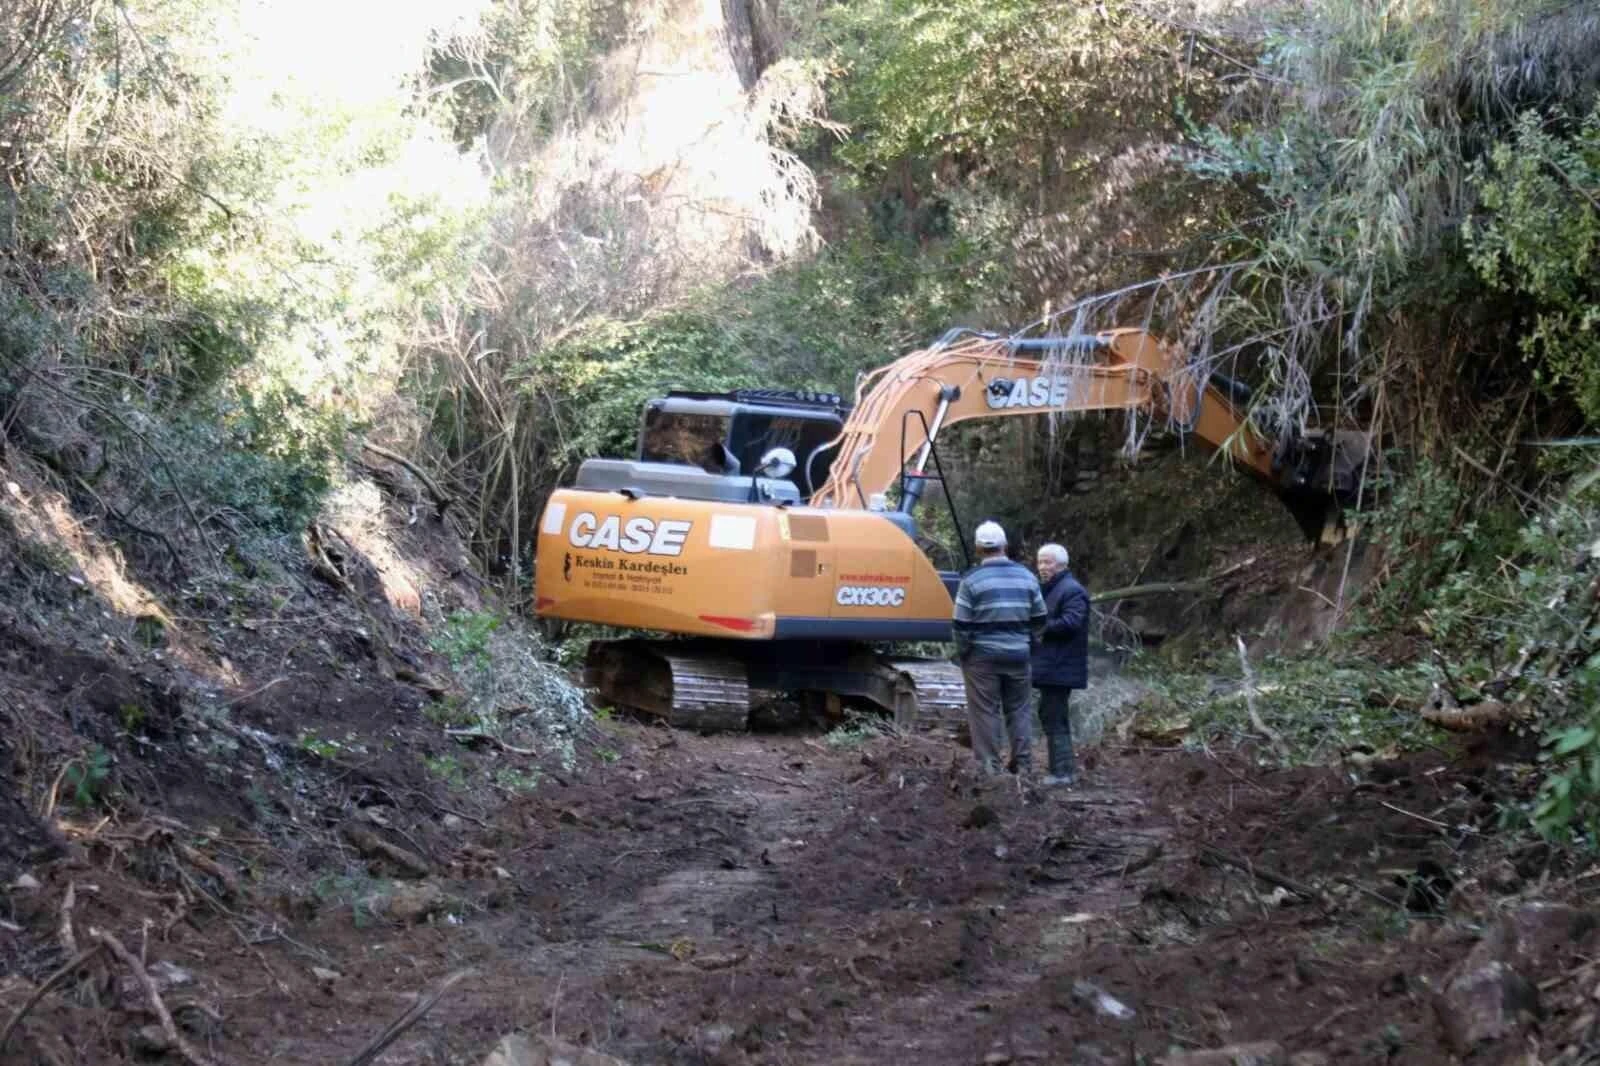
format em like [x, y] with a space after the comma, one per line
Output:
[754, 534]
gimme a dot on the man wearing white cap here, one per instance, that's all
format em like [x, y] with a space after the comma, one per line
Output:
[999, 616]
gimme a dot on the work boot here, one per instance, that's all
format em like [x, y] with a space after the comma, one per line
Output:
[1062, 769]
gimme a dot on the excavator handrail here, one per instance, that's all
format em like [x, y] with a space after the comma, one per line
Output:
[906, 487]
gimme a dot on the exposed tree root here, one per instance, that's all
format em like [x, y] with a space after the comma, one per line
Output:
[153, 994]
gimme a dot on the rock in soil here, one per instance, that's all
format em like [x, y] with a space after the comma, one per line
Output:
[170, 975]
[1104, 1003]
[519, 1050]
[1495, 987]
[1502, 877]
[1483, 1004]
[407, 904]
[1265, 1053]
[982, 815]
[1537, 938]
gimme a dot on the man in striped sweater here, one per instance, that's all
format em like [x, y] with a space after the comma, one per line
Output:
[999, 616]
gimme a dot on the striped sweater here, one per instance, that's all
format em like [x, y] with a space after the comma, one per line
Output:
[999, 612]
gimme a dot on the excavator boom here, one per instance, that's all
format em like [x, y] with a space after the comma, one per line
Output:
[901, 409]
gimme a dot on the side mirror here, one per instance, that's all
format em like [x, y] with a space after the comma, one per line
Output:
[777, 463]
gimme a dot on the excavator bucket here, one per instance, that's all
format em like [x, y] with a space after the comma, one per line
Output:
[1320, 477]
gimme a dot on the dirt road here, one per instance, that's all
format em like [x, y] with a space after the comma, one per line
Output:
[778, 899]
[781, 900]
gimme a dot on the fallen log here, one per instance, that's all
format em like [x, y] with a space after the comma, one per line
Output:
[1159, 588]
[1477, 717]
[424, 1003]
[441, 499]
[57, 978]
[375, 847]
[1165, 588]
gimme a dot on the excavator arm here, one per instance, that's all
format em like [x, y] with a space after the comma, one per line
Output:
[901, 409]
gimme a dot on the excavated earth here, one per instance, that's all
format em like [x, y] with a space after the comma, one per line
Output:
[779, 899]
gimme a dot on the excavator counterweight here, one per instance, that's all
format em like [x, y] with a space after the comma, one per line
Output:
[753, 527]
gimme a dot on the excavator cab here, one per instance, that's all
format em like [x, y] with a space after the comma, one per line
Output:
[711, 446]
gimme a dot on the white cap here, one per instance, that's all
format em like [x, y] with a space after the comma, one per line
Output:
[990, 535]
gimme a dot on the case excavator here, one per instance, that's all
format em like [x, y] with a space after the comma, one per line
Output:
[753, 538]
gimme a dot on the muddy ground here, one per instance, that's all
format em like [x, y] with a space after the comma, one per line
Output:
[787, 899]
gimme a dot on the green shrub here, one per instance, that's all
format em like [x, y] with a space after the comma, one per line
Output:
[1538, 235]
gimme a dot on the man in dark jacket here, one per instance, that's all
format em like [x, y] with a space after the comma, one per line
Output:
[1061, 659]
[999, 616]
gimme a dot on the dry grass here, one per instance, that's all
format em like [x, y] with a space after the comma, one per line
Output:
[674, 177]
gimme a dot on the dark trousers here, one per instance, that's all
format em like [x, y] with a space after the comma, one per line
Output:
[1056, 718]
[997, 705]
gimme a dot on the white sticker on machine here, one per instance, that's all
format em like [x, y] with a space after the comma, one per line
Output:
[734, 531]
[555, 516]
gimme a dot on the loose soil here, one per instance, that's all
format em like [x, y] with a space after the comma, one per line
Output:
[779, 899]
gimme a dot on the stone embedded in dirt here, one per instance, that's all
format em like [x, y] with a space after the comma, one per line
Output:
[407, 904]
[1484, 1004]
[519, 1050]
[1536, 937]
[721, 961]
[170, 975]
[25, 883]
[1265, 1053]
[1502, 877]
[1490, 992]
[712, 1039]
[1103, 1002]
[374, 815]
[325, 975]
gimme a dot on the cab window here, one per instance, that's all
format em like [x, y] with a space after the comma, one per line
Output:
[681, 437]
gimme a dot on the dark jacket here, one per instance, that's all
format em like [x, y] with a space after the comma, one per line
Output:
[1062, 658]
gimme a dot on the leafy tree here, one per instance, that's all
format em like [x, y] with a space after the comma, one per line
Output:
[1538, 236]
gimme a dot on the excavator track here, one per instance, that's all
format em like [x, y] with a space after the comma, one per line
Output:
[941, 696]
[707, 687]
[690, 689]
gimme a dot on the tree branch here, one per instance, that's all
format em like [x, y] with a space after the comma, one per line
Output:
[170, 1028]
[442, 500]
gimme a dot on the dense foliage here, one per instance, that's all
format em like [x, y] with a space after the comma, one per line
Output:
[1420, 249]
